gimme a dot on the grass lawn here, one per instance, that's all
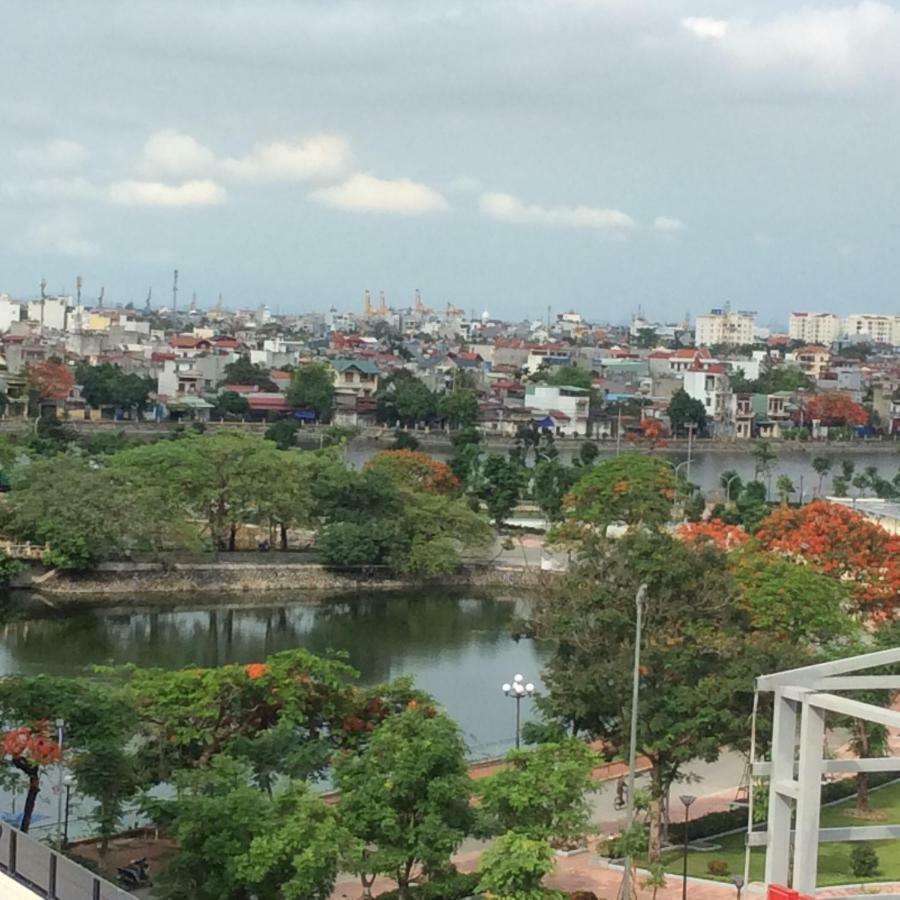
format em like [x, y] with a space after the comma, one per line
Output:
[834, 859]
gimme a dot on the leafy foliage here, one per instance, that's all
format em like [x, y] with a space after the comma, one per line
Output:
[514, 867]
[836, 408]
[684, 410]
[106, 384]
[412, 468]
[312, 387]
[242, 371]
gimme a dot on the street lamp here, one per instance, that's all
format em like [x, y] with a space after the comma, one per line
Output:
[687, 800]
[728, 487]
[738, 882]
[60, 735]
[517, 691]
[68, 781]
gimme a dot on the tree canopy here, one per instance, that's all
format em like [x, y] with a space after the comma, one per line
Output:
[312, 387]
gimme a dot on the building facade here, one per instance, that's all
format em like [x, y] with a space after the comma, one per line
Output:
[722, 326]
[814, 327]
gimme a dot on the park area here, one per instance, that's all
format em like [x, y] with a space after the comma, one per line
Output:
[834, 859]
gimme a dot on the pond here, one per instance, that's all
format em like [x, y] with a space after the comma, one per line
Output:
[457, 647]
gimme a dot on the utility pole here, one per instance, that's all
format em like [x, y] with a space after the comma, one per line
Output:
[175, 292]
[619, 431]
[78, 290]
[690, 448]
[632, 742]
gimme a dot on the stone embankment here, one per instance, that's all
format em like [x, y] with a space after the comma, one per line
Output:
[128, 579]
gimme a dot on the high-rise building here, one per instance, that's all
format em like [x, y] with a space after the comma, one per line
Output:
[722, 326]
[814, 327]
[878, 329]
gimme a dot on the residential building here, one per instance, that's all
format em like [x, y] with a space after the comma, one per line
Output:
[709, 384]
[49, 312]
[10, 312]
[813, 360]
[723, 326]
[814, 327]
[771, 414]
[878, 329]
[742, 415]
[567, 406]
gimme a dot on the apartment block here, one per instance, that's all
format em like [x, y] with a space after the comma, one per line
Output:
[814, 327]
[722, 326]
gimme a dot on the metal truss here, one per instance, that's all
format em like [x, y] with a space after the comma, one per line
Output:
[802, 698]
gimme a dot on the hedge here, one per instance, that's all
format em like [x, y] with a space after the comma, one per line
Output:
[719, 822]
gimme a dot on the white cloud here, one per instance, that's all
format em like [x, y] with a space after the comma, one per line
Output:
[833, 44]
[709, 29]
[57, 155]
[203, 192]
[173, 153]
[366, 193]
[316, 157]
[58, 234]
[668, 225]
[465, 184]
[507, 208]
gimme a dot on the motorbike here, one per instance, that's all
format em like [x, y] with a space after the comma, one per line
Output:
[136, 874]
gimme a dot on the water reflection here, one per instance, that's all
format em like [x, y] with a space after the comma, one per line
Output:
[456, 647]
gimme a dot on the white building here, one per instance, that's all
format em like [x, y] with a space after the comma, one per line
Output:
[814, 327]
[878, 329]
[709, 384]
[10, 312]
[49, 312]
[722, 326]
[573, 402]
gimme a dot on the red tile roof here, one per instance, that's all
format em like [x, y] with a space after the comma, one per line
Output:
[265, 401]
[241, 388]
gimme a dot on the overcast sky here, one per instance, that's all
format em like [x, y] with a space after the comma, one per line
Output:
[498, 154]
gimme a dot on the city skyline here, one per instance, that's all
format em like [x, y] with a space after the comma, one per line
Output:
[598, 156]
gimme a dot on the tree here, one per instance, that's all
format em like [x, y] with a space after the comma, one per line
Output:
[106, 384]
[312, 387]
[785, 487]
[565, 376]
[631, 489]
[50, 380]
[459, 407]
[864, 861]
[836, 408]
[684, 411]
[694, 635]
[822, 466]
[588, 453]
[412, 468]
[403, 398]
[551, 481]
[646, 339]
[28, 748]
[502, 484]
[232, 405]
[542, 793]
[844, 545]
[242, 371]
[763, 456]
[514, 868]
[283, 433]
[720, 534]
[405, 797]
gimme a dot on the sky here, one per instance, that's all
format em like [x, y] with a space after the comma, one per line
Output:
[502, 155]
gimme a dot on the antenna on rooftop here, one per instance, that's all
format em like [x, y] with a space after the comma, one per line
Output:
[175, 291]
[100, 298]
[78, 289]
[43, 288]
[149, 295]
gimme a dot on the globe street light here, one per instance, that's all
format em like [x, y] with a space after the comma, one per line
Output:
[517, 691]
[687, 800]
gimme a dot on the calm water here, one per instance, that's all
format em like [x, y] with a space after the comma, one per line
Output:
[457, 648]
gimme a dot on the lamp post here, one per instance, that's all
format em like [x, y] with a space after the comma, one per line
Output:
[728, 487]
[632, 740]
[60, 736]
[69, 780]
[687, 800]
[517, 691]
[738, 882]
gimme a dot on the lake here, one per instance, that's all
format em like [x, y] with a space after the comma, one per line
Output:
[458, 648]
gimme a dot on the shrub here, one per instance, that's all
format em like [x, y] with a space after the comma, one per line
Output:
[453, 885]
[717, 867]
[864, 861]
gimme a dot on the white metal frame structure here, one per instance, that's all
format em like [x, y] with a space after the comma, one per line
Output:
[802, 697]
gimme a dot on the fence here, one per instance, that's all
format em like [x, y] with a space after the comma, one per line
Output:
[50, 874]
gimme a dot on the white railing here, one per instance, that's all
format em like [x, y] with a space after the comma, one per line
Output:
[50, 874]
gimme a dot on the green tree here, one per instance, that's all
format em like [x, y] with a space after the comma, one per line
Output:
[588, 453]
[565, 376]
[502, 483]
[541, 792]
[242, 371]
[312, 387]
[864, 861]
[822, 466]
[694, 632]
[685, 411]
[459, 406]
[551, 481]
[403, 398]
[763, 456]
[646, 339]
[785, 487]
[514, 868]
[106, 384]
[232, 405]
[632, 489]
[405, 798]
[283, 433]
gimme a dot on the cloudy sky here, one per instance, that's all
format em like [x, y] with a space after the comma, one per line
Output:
[498, 154]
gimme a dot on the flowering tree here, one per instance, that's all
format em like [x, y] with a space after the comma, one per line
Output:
[841, 543]
[715, 531]
[836, 408]
[412, 468]
[51, 380]
[28, 748]
[652, 434]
